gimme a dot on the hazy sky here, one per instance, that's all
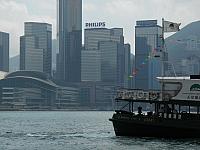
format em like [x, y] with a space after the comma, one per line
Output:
[117, 13]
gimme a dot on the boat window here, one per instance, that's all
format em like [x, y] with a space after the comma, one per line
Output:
[172, 89]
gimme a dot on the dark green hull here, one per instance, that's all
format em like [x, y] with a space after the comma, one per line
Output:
[164, 128]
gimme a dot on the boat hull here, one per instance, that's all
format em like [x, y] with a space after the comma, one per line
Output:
[159, 129]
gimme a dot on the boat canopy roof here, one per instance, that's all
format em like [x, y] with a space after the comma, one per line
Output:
[173, 78]
[178, 79]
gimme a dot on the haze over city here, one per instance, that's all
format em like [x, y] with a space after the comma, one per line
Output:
[84, 74]
[116, 13]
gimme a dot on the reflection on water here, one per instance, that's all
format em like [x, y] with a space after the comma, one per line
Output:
[74, 130]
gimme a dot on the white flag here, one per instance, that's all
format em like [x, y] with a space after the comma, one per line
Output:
[171, 26]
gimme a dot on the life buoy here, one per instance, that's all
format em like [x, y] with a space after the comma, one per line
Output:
[140, 95]
[133, 96]
[153, 96]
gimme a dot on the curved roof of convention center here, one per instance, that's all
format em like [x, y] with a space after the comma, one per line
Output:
[33, 75]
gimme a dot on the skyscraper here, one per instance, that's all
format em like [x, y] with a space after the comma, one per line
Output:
[94, 35]
[70, 40]
[91, 54]
[127, 52]
[91, 65]
[4, 51]
[132, 69]
[36, 47]
[112, 62]
[147, 46]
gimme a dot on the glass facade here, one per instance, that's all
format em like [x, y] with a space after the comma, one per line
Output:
[91, 59]
[4, 51]
[112, 62]
[94, 36]
[127, 52]
[31, 57]
[70, 40]
[91, 65]
[147, 46]
[27, 90]
[67, 97]
[36, 47]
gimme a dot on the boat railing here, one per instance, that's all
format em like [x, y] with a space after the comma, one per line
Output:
[138, 94]
[182, 116]
[150, 116]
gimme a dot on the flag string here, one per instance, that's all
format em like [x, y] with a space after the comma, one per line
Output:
[150, 56]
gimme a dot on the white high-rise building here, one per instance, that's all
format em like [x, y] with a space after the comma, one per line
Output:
[36, 47]
[91, 59]
[95, 35]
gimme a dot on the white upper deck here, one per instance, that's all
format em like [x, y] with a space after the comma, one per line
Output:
[188, 89]
[173, 78]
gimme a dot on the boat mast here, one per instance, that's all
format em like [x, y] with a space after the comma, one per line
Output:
[162, 60]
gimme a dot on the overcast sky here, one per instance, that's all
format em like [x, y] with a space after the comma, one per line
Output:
[116, 13]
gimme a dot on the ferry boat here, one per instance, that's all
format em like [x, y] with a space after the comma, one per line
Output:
[175, 113]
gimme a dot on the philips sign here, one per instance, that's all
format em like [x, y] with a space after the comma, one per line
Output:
[95, 25]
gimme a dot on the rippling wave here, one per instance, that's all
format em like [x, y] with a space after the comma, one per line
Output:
[76, 131]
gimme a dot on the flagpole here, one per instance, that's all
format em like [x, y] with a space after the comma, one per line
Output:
[162, 60]
[163, 45]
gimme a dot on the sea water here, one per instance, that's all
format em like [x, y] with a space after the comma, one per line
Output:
[75, 130]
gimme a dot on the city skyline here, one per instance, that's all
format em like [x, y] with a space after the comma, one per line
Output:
[46, 12]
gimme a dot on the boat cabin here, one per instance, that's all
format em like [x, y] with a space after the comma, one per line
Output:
[181, 88]
[179, 96]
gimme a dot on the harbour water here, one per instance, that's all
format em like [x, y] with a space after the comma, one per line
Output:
[81, 130]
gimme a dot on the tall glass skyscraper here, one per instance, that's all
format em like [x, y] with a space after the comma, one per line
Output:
[36, 47]
[147, 46]
[112, 62]
[4, 51]
[70, 40]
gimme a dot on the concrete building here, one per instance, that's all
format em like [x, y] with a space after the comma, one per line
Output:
[36, 47]
[105, 94]
[91, 65]
[147, 46]
[91, 54]
[127, 54]
[97, 95]
[55, 51]
[68, 97]
[94, 35]
[27, 90]
[70, 40]
[112, 62]
[132, 69]
[31, 58]
[4, 51]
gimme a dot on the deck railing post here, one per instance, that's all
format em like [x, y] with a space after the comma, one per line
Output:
[132, 106]
[189, 109]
